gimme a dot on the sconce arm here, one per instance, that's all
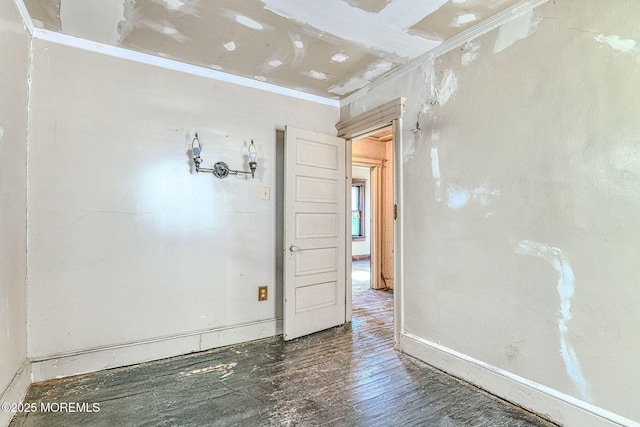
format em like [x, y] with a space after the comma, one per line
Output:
[221, 169]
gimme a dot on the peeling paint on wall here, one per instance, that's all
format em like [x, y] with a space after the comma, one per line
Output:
[566, 289]
[515, 30]
[230, 46]
[623, 45]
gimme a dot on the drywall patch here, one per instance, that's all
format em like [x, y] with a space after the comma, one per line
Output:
[566, 288]
[298, 50]
[386, 31]
[248, 22]
[244, 20]
[339, 58]
[515, 30]
[623, 45]
[183, 6]
[164, 28]
[318, 75]
[359, 81]
[448, 86]
[1, 132]
[173, 4]
[465, 19]
[470, 53]
[352, 85]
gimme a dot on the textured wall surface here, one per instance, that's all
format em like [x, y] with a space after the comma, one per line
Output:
[521, 199]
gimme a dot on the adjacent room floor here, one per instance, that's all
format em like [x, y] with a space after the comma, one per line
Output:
[346, 376]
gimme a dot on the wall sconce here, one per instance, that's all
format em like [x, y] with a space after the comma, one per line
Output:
[221, 169]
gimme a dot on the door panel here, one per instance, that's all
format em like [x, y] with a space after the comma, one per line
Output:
[315, 233]
[310, 225]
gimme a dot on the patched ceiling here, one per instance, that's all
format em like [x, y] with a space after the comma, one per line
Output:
[329, 48]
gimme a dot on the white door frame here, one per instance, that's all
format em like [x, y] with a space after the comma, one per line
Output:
[388, 114]
[376, 227]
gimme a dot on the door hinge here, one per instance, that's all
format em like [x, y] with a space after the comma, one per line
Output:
[395, 212]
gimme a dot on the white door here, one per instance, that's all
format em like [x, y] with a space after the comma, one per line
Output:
[314, 232]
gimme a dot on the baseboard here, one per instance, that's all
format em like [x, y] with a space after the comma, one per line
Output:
[545, 401]
[96, 359]
[16, 391]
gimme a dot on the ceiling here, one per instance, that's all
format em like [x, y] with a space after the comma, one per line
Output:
[329, 48]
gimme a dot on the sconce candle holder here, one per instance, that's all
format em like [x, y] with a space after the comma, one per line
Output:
[221, 169]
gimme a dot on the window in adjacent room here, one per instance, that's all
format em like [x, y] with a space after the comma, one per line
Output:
[357, 209]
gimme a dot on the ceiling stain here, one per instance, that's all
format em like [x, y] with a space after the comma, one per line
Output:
[329, 48]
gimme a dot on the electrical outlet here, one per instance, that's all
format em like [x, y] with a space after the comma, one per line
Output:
[262, 293]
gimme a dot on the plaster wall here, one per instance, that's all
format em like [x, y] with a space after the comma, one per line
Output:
[14, 56]
[520, 205]
[131, 249]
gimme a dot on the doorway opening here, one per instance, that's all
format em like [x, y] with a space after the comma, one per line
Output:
[372, 212]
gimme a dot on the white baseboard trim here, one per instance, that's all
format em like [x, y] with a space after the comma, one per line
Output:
[96, 359]
[545, 401]
[16, 391]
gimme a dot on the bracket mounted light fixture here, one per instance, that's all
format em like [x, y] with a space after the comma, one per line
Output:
[221, 169]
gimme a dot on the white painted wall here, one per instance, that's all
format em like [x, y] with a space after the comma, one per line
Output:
[14, 57]
[134, 256]
[363, 247]
[521, 201]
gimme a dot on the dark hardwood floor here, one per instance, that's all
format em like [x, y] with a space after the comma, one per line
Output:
[346, 376]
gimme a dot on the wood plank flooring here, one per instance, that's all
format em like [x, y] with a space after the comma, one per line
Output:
[345, 376]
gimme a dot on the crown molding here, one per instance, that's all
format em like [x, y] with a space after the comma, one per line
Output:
[448, 45]
[170, 64]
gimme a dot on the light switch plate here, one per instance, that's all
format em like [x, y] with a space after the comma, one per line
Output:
[265, 193]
